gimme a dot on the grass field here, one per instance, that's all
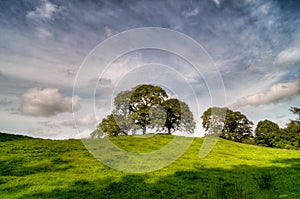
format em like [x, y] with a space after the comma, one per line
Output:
[37, 168]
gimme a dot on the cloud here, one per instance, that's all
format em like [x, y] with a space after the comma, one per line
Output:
[108, 31]
[49, 124]
[276, 93]
[45, 11]
[47, 102]
[288, 56]
[41, 132]
[217, 3]
[41, 15]
[88, 120]
[191, 13]
[103, 82]
[5, 101]
[43, 32]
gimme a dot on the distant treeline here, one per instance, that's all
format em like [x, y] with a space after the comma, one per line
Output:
[10, 137]
[147, 106]
[237, 127]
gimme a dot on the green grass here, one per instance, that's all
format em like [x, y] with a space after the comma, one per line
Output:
[37, 168]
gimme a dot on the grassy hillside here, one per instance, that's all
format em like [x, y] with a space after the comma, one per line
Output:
[36, 168]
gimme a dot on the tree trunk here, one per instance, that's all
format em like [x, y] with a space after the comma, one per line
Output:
[169, 131]
[144, 130]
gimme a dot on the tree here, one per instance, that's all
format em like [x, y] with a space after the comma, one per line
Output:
[296, 111]
[178, 116]
[145, 106]
[119, 122]
[121, 113]
[237, 126]
[213, 120]
[265, 133]
[108, 126]
[293, 132]
[227, 123]
[144, 97]
[269, 134]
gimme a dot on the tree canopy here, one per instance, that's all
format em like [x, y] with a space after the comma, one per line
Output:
[142, 98]
[296, 111]
[231, 125]
[146, 106]
[265, 133]
[178, 116]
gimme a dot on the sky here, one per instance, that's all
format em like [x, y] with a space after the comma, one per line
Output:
[52, 55]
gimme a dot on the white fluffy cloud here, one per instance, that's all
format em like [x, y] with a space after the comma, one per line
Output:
[47, 102]
[276, 93]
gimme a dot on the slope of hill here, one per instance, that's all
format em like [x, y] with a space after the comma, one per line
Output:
[10, 137]
[36, 168]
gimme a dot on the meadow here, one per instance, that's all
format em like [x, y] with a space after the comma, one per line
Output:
[39, 168]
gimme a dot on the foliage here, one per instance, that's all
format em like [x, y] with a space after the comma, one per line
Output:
[178, 116]
[265, 133]
[269, 134]
[227, 123]
[296, 111]
[293, 129]
[144, 97]
[110, 126]
[145, 106]
[213, 120]
[10, 137]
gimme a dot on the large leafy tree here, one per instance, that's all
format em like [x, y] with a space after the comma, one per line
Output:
[231, 125]
[146, 106]
[265, 133]
[178, 116]
[237, 126]
[142, 99]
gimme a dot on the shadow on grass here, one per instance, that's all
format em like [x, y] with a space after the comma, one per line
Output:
[16, 167]
[239, 182]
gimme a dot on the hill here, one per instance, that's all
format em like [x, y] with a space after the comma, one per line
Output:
[37, 168]
[10, 137]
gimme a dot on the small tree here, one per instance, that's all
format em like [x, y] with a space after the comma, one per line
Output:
[228, 124]
[293, 133]
[265, 133]
[109, 127]
[293, 130]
